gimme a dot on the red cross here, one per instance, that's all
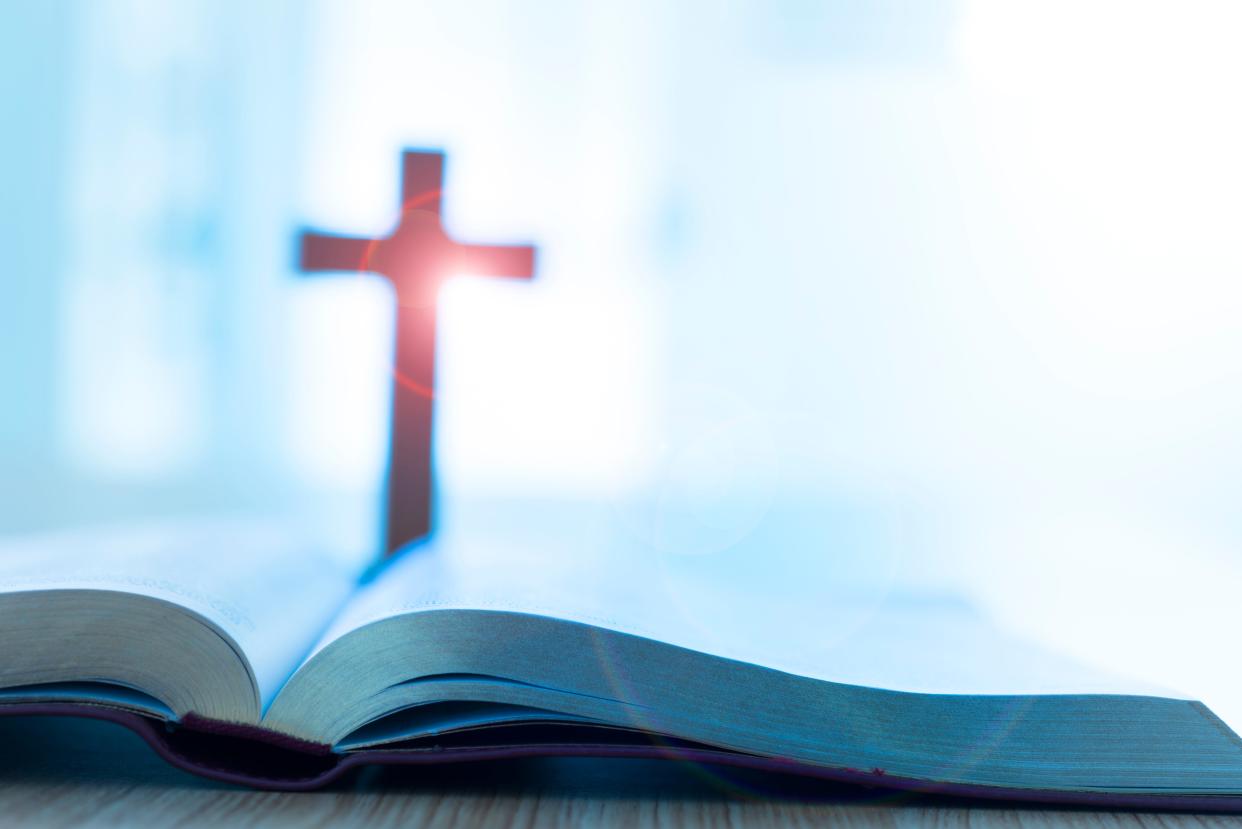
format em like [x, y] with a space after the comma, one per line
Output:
[417, 258]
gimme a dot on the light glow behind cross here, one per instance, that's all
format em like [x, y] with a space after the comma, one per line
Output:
[417, 258]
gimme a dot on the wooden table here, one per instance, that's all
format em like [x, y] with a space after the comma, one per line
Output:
[56, 772]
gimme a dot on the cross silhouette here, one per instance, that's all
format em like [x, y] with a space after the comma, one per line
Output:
[417, 258]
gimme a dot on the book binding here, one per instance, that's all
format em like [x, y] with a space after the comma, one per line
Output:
[262, 759]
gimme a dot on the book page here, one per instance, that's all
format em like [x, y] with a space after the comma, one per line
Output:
[581, 563]
[270, 589]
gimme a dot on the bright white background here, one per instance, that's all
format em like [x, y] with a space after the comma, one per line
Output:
[940, 295]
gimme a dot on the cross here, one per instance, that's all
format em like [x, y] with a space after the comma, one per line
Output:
[417, 258]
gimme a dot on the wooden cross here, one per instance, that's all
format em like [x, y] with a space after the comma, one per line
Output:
[417, 258]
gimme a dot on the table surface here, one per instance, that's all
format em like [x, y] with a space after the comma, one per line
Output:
[63, 772]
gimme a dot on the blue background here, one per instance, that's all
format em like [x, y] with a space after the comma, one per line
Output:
[942, 295]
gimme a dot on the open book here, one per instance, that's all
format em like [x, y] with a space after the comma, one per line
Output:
[241, 653]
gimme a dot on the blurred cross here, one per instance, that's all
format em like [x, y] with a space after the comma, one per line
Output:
[417, 258]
